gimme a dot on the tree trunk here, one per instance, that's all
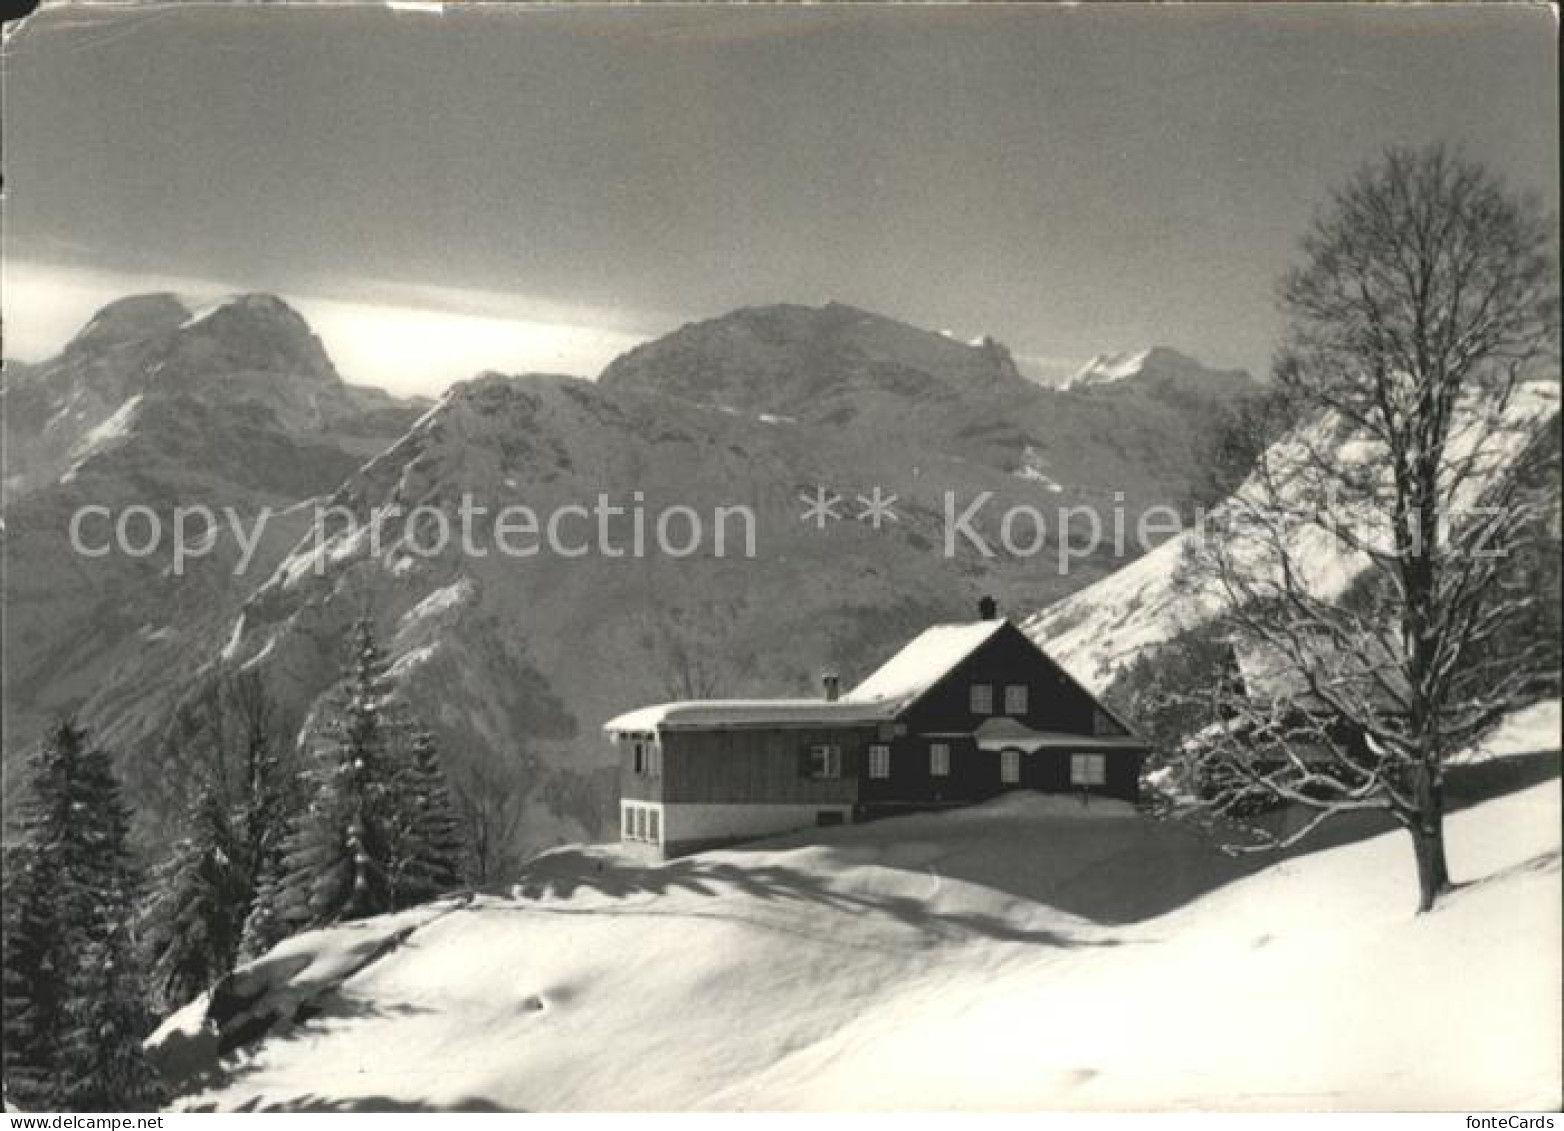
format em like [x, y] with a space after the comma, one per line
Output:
[1426, 846]
[1427, 827]
[1436, 821]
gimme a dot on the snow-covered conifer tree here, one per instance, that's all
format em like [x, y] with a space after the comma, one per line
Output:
[430, 849]
[198, 907]
[340, 862]
[68, 934]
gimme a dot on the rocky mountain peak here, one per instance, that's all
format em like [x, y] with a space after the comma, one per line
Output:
[131, 319]
[257, 332]
[782, 357]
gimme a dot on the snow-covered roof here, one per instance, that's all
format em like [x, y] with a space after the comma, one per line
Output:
[926, 660]
[897, 682]
[739, 713]
[1011, 734]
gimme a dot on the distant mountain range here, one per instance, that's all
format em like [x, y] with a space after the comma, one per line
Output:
[517, 661]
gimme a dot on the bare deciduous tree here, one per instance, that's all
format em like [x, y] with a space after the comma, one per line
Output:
[491, 802]
[1420, 320]
[687, 647]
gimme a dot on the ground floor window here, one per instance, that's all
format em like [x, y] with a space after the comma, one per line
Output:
[939, 759]
[1010, 766]
[879, 760]
[643, 823]
[825, 760]
[1088, 769]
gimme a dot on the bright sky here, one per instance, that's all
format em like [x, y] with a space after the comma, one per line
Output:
[537, 189]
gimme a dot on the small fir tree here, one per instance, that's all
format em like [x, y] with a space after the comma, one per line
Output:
[430, 851]
[340, 858]
[198, 909]
[105, 1024]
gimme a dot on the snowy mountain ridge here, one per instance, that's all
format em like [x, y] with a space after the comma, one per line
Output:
[1097, 630]
[1149, 365]
[1107, 367]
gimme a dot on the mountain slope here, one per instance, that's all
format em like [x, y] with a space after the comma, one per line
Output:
[155, 406]
[1017, 956]
[1096, 631]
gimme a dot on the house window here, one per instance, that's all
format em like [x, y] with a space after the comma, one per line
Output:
[653, 821]
[1088, 769]
[640, 823]
[879, 760]
[939, 759]
[1015, 698]
[1010, 766]
[982, 699]
[825, 760]
[629, 822]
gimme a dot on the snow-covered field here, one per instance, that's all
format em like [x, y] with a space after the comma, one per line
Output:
[1018, 955]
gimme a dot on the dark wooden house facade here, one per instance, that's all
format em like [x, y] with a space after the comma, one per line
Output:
[964, 712]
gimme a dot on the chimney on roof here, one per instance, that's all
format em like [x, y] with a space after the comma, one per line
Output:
[988, 609]
[832, 684]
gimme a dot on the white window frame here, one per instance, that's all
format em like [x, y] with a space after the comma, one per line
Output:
[642, 823]
[1010, 766]
[980, 698]
[1088, 769]
[1016, 696]
[879, 760]
[939, 759]
[825, 761]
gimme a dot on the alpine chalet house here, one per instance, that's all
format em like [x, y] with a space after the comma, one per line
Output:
[960, 714]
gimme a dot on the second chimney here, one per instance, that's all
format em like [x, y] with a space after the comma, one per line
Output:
[832, 683]
[988, 609]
